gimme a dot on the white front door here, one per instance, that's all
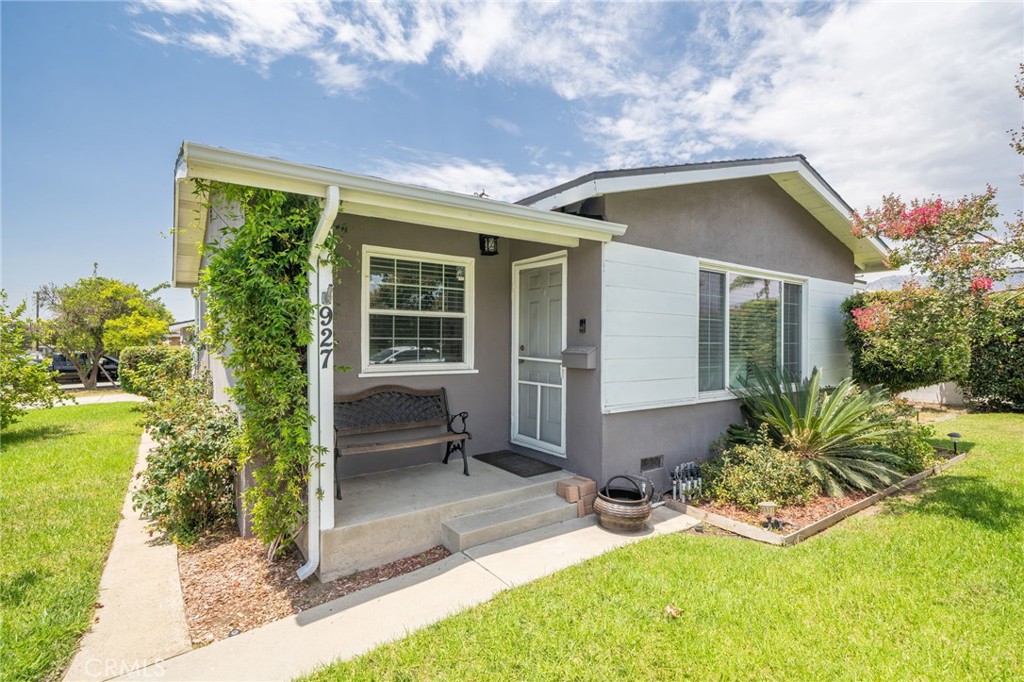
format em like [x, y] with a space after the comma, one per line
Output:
[538, 337]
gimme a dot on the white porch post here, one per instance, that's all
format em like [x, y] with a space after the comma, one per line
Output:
[324, 388]
[320, 387]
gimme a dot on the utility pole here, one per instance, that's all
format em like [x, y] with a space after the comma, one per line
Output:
[35, 335]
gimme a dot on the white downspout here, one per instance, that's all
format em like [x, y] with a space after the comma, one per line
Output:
[320, 388]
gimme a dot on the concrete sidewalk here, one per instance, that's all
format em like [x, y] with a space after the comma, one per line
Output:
[142, 619]
[108, 397]
[361, 621]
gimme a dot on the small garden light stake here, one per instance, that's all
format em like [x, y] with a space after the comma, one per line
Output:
[768, 509]
[955, 437]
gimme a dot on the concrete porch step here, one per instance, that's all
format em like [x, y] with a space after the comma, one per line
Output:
[463, 532]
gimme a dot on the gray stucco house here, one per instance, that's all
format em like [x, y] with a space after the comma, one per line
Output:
[661, 284]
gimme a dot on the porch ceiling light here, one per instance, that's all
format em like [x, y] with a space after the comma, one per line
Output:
[488, 245]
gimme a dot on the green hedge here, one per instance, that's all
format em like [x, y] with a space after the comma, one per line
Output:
[920, 344]
[150, 370]
[995, 380]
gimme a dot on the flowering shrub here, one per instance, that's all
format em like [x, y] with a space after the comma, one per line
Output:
[870, 319]
[187, 485]
[979, 284]
[906, 339]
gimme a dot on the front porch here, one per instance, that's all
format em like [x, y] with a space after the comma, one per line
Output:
[388, 515]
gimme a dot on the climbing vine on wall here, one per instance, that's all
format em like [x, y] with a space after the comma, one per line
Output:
[258, 315]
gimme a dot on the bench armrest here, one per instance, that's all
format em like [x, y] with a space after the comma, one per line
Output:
[463, 416]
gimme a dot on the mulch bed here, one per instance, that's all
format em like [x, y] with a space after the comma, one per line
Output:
[229, 587]
[793, 518]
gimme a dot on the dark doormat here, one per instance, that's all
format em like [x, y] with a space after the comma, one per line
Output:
[517, 464]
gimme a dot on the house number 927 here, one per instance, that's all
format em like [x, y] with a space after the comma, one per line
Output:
[326, 335]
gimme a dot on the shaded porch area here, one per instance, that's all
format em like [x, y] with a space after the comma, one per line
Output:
[388, 515]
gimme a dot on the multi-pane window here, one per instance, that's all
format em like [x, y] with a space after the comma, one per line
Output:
[417, 310]
[711, 326]
[747, 321]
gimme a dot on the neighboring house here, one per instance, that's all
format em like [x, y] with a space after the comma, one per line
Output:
[620, 308]
[180, 333]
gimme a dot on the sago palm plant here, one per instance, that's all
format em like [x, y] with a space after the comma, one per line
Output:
[838, 434]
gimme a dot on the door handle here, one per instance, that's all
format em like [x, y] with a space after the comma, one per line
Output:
[522, 347]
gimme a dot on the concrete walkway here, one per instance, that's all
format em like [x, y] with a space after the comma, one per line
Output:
[107, 397]
[361, 621]
[142, 619]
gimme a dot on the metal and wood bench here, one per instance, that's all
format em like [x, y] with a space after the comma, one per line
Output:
[385, 409]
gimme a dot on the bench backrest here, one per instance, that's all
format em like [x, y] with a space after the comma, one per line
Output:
[387, 408]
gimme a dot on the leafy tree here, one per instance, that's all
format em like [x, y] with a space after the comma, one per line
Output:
[958, 246]
[99, 315]
[23, 382]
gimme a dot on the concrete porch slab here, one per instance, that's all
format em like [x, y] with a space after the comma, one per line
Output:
[392, 493]
[394, 514]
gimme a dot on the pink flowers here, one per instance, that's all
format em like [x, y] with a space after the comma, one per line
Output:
[868, 319]
[980, 284]
[897, 220]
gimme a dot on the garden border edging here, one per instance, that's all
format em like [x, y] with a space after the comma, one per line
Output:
[761, 535]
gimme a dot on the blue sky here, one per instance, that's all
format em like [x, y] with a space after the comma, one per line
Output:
[510, 98]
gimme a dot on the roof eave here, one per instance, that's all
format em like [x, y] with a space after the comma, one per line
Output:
[361, 195]
[793, 174]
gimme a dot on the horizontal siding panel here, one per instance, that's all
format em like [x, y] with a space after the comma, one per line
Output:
[649, 369]
[617, 298]
[641, 394]
[621, 323]
[616, 252]
[648, 327]
[627, 347]
[637, 278]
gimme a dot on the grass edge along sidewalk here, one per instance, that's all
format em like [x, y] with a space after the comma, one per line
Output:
[64, 474]
[928, 588]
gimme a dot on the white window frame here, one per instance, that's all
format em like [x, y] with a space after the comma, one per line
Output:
[468, 316]
[734, 269]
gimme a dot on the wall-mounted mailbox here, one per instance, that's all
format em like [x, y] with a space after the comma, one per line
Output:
[580, 357]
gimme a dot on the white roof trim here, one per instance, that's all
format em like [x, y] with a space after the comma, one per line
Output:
[360, 195]
[793, 175]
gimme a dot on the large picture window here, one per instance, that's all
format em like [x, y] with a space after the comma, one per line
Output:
[417, 311]
[747, 320]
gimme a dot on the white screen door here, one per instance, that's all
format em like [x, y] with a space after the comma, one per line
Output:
[538, 419]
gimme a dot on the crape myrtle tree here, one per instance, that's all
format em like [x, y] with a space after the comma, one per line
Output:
[924, 334]
[99, 316]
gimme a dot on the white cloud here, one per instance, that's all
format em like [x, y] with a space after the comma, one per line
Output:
[465, 176]
[504, 125]
[906, 97]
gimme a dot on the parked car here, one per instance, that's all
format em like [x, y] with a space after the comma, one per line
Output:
[395, 354]
[67, 374]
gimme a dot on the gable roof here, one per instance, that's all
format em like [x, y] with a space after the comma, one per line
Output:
[360, 195]
[792, 173]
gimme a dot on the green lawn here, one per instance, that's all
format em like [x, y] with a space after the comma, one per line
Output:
[930, 588]
[63, 477]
